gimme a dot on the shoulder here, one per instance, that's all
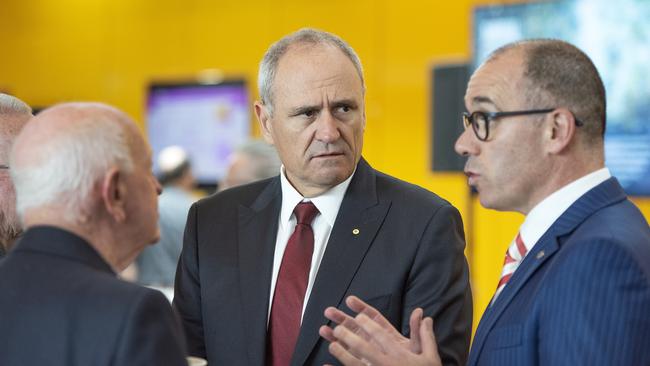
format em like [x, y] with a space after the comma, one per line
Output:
[407, 194]
[244, 195]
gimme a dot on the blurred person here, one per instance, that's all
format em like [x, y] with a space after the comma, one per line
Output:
[88, 199]
[156, 265]
[261, 262]
[251, 161]
[14, 113]
[575, 285]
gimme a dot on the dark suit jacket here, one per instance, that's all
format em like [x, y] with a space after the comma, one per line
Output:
[581, 296]
[408, 254]
[61, 304]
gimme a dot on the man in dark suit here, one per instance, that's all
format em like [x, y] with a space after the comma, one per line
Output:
[575, 286]
[14, 113]
[252, 284]
[87, 197]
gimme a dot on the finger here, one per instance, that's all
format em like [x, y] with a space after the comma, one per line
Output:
[341, 318]
[428, 339]
[414, 324]
[355, 344]
[359, 306]
[327, 333]
[384, 338]
[345, 357]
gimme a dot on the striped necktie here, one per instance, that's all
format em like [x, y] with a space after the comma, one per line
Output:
[514, 255]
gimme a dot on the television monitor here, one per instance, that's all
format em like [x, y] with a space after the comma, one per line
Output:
[207, 120]
[615, 35]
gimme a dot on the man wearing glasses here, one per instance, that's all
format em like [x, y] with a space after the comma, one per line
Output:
[14, 113]
[575, 285]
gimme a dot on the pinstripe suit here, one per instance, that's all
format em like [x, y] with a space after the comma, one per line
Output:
[581, 296]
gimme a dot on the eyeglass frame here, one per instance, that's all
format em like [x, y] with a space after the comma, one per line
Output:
[2, 167]
[468, 119]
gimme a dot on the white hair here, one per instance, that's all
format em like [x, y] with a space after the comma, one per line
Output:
[12, 105]
[271, 59]
[66, 167]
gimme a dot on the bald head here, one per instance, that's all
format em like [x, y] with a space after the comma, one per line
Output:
[63, 151]
[14, 113]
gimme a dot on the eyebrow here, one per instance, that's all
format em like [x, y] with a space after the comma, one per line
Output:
[482, 100]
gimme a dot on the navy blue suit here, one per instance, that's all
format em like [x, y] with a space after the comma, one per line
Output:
[581, 296]
[407, 253]
[62, 305]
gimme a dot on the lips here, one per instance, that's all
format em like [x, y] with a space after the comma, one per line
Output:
[472, 177]
[327, 155]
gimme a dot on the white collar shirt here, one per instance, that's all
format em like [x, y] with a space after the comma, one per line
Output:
[545, 213]
[328, 205]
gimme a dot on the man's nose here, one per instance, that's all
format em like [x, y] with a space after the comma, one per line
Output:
[327, 128]
[466, 143]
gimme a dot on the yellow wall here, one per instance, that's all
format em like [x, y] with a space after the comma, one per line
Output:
[109, 50]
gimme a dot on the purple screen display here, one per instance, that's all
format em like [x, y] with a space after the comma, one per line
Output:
[208, 121]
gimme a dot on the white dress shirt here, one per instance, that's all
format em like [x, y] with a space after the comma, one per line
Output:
[328, 205]
[545, 213]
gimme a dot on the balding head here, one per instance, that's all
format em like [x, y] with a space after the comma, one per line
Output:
[64, 150]
[14, 113]
[558, 74]
[86, 168]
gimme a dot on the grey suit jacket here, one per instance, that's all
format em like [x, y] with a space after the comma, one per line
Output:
[408, 254]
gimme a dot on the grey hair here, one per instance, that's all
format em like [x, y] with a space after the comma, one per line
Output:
[67, 166]
[265, 156]
[12, 105]
[271, 59]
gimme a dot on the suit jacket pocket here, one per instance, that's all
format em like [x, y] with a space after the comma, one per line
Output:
[504, 337]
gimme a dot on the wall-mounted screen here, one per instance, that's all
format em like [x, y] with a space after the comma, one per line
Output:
[207, 120]
[616, 36]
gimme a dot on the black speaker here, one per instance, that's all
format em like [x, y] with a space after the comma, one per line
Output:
[449, 82]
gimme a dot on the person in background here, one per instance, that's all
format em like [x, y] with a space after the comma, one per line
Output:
[14, 113]
[262, 261]
[251, 161]
[156, 265]
[87, 198]
[575, 285]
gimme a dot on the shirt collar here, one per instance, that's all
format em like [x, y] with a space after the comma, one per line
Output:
[542, 216]
[328, 203]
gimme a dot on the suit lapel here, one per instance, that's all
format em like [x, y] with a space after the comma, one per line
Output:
[356, 225]
[257, 230]
[604, 194]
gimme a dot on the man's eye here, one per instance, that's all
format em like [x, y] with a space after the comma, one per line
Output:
[309, 113]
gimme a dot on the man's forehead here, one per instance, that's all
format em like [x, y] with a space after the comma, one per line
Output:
[495, 81]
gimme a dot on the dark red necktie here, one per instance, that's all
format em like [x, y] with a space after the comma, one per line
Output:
[290, 288]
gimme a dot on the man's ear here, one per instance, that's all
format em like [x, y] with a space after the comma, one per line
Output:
[561, 131]
[113, 192]
[265, 121]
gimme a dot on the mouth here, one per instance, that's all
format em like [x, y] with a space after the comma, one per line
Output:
[471, 177]
[327, 155]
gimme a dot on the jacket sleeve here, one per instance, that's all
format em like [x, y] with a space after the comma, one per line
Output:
[187, 289]
[439, 283]
[151, 334]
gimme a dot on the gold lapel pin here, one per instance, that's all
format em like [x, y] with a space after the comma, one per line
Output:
[355, 231]
[540, 254]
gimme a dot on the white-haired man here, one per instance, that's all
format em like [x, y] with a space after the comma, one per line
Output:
[14, 113]
[88, 200]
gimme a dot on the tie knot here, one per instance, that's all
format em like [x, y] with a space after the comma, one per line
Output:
[305, 212]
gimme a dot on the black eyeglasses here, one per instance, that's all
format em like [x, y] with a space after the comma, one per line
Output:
[2, 166]
[480, 121]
